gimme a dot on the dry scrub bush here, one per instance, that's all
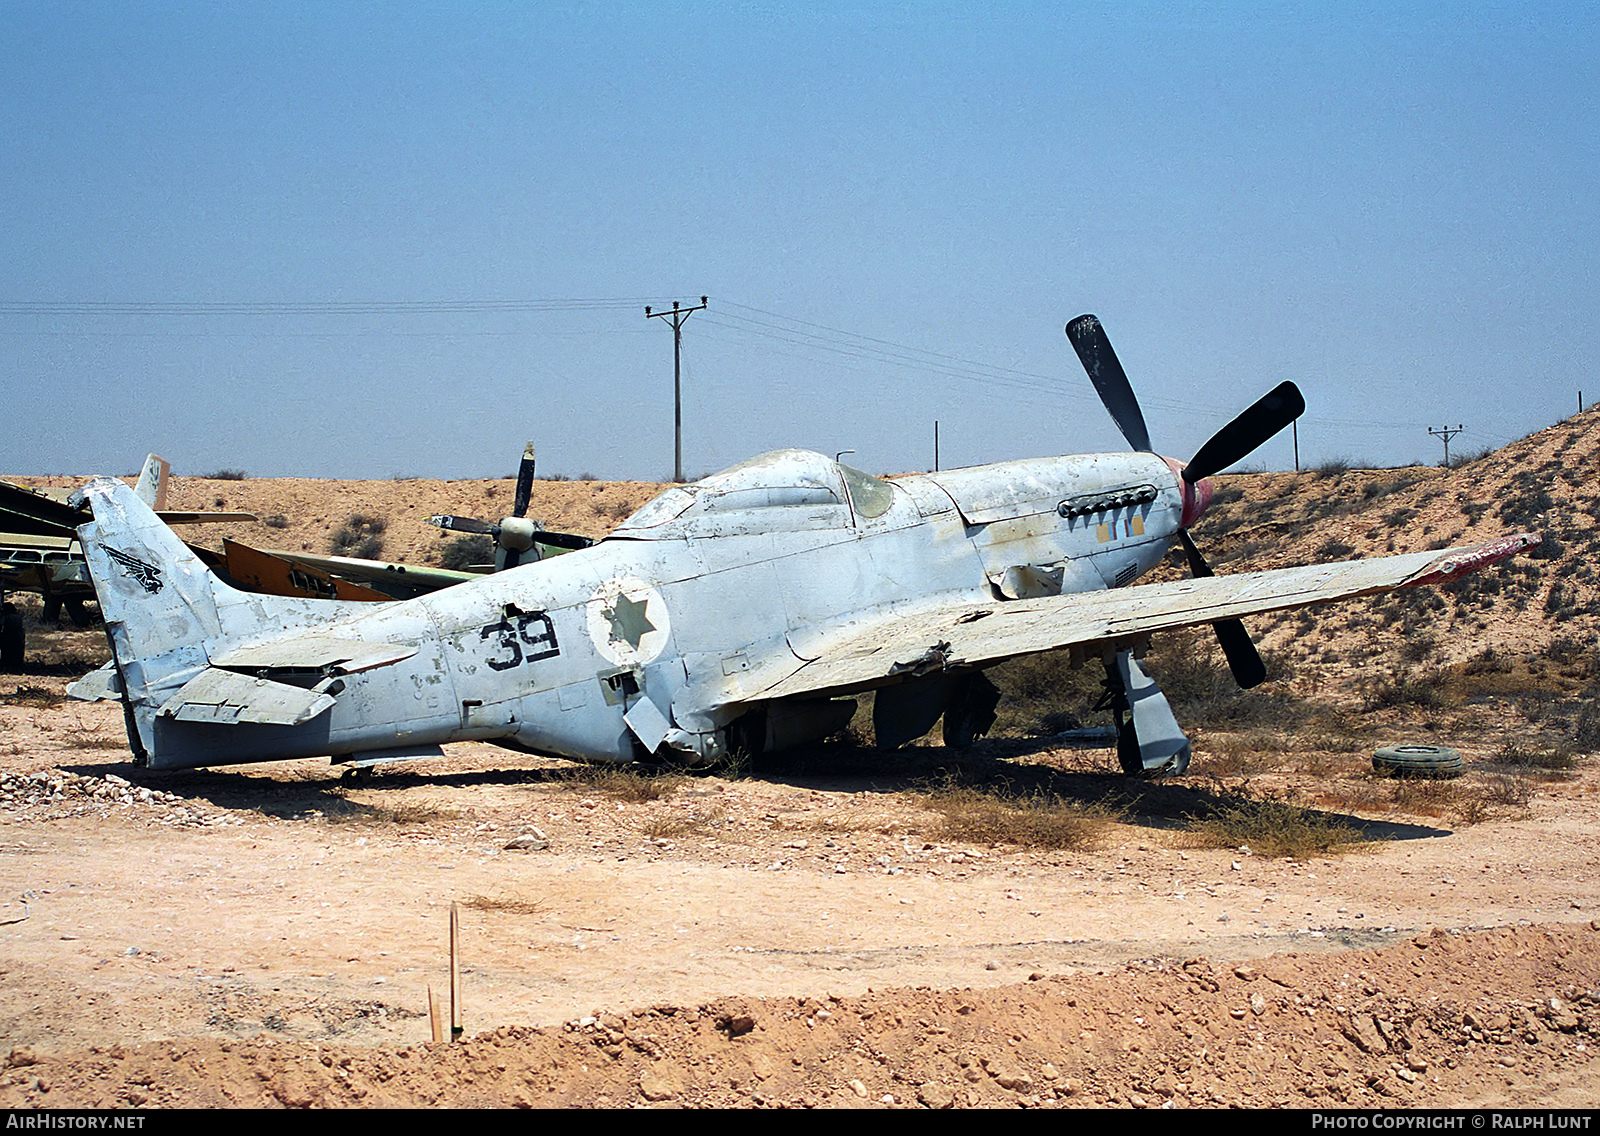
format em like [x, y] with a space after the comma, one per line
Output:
[697, 823]
[1271, 828]
[980, 816]
[625, 783]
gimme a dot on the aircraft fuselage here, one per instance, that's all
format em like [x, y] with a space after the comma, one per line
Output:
[756, 563]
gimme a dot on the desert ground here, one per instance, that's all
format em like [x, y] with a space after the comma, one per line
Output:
[1011, 926]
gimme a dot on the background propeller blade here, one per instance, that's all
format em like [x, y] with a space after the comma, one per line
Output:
[1243, 658]
[519, 506]
[1239, 438]
[515, 535]
[465, 525]
[563, 540]
[1110, 380]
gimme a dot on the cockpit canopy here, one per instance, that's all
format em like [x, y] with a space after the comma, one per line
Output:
[782, 490]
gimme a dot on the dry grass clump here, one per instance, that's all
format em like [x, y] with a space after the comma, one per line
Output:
[1467, 801]
[36, 697]
[508, 904]
[700, 822]
[1504, 789]
[342, 810]
[626, 783]
[989, 816]
[1401, 687]
[79, 736]
[1246, 754]
[361, 536]
[1272, 828]
[1550, 758]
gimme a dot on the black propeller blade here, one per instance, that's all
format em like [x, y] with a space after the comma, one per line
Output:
[1271, 413]
[1243, 658]
[1110, 380]
[1239, 438]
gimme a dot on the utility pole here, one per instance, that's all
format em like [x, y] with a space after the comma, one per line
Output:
[1445, 433]
[935, 445]
[1296, 425]
[676, 316]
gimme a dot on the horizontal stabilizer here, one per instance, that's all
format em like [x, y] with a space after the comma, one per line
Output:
[98, 685]
[193, 517]
[226, 698]
[314, 653]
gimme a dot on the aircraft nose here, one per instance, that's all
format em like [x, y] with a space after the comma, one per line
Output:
[1196, 499]
[1196, 495]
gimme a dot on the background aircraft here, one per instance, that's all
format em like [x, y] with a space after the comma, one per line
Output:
[39, 550]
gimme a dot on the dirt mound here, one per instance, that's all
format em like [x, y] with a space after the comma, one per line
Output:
[1537, 484]
[1500, 1017]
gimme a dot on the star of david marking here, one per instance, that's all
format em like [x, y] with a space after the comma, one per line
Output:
[628, 621]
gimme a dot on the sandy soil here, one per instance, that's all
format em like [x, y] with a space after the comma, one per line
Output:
[804, 936]
[811, 934]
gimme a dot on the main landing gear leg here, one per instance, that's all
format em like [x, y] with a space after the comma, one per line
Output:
[1149, 742]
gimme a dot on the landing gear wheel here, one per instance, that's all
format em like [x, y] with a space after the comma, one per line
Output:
[360, 775]
[1417, 761]
[1114, 697]
[969, 714]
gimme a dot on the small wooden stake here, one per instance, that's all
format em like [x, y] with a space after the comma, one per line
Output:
[435, 1019]
[455, 974]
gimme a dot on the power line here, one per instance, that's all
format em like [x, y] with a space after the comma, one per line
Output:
[834, 344]
[306, 308]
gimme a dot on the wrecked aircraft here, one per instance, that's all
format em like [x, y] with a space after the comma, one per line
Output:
[742, 613]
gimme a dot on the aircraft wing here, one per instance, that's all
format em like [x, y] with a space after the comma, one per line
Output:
[968, 634]
[37, 513]
[399, 580]
[281, 573]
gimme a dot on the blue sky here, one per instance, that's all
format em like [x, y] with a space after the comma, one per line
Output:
[309, 212]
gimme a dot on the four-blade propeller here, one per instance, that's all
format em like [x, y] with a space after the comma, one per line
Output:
[1271, 413]
[514, 535]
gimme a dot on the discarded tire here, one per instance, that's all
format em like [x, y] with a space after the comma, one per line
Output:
[1417, 761]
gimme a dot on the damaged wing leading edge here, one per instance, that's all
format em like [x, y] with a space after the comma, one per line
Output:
[970, 634]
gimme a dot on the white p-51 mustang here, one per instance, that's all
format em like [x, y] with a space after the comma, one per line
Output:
[742, 613]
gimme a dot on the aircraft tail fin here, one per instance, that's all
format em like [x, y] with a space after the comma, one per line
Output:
[155, 594]
[165, 613]
[152, 486]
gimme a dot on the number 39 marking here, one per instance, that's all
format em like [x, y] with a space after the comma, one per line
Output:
[532, 629]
